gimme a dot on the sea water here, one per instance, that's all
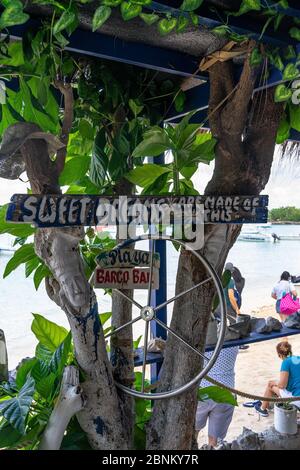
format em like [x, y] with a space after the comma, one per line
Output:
[261, 263]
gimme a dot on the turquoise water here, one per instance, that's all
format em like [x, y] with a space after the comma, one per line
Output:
[260, 263]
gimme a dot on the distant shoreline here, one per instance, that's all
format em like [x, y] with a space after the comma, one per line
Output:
[277, 222]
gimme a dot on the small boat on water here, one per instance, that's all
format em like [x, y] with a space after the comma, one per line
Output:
[289, 237]
[255, 234]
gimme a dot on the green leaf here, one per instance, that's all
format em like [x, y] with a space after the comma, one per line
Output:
[45, 386]
[284, 4]
[295, 33]
[43, 353]
[179, 101]
[31, 266]
[100, 16]
[111, 3]
[130, 10]
[154, 144]
[48, 333]
[190, 5]
[282, 93]
[256, 57]
[22, 255]
[66, 19]
[104, 317]
[75, 169]
[135, 107]
[289, 53]
[39, 371]
[15, 410]
[194, 18]
[13, 15]
[149, 18]
[41, 272]
[9, 436]
[146, 174]
[165, 26]
[23, 370]
[86, 130]
[290, 72]
[136, 342]
[33, 110]
[99, 160]
[60, 356]
[294, 111]
[182, 24]
[18, 230]
[221, 30]
[42, 92]
[16, 58]
[217, 394]
[278, 18]
[283, 131]
[248, 5]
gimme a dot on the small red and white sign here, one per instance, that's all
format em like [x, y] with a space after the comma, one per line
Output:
[125, 278]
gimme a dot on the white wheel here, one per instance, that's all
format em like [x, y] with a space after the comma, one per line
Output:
[149, 313]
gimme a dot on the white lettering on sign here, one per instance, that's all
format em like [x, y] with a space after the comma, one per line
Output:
[126, 258]
[122, 278]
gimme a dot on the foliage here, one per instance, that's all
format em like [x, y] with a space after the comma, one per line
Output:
[218, 394]
[285, 214]
[188, 147]
[27, 400]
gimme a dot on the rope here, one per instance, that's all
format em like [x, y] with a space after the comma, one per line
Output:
[250, 395]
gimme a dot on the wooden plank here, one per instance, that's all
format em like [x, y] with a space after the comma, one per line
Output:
[78, 210]
[125, 278]
[126, 258]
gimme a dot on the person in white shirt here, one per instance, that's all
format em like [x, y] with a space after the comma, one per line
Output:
[283, 287]
[218, 415]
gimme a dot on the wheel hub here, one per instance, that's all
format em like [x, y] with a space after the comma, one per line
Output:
[147, 313]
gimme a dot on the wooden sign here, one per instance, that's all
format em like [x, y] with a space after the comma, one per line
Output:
[125, 278]
[77, 210]
[126, 258]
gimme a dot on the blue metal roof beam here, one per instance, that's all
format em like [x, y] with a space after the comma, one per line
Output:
[107, 47]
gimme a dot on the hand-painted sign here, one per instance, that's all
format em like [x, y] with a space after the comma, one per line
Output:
[126, 258]
[123, 278]
[77, 210]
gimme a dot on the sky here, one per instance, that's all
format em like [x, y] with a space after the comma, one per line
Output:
[283, 186]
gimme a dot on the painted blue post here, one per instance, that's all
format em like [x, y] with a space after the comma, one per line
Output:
[159, 296]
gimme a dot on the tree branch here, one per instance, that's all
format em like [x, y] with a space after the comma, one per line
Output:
[67, 92]
[221, 85]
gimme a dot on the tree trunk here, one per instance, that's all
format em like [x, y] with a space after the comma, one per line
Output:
[69, 288]
[245, 133]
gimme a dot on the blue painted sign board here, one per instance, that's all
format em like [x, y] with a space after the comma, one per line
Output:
[69, 210]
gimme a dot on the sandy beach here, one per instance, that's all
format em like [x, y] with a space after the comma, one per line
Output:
[254, 367]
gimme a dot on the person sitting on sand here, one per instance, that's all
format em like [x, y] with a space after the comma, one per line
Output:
[283, 287]
[289, 380]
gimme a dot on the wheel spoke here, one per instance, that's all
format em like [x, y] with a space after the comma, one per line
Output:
[120, 328]
[152, 250]
[170, 330]
[173, 299]
[145, 354]
[128, 298]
